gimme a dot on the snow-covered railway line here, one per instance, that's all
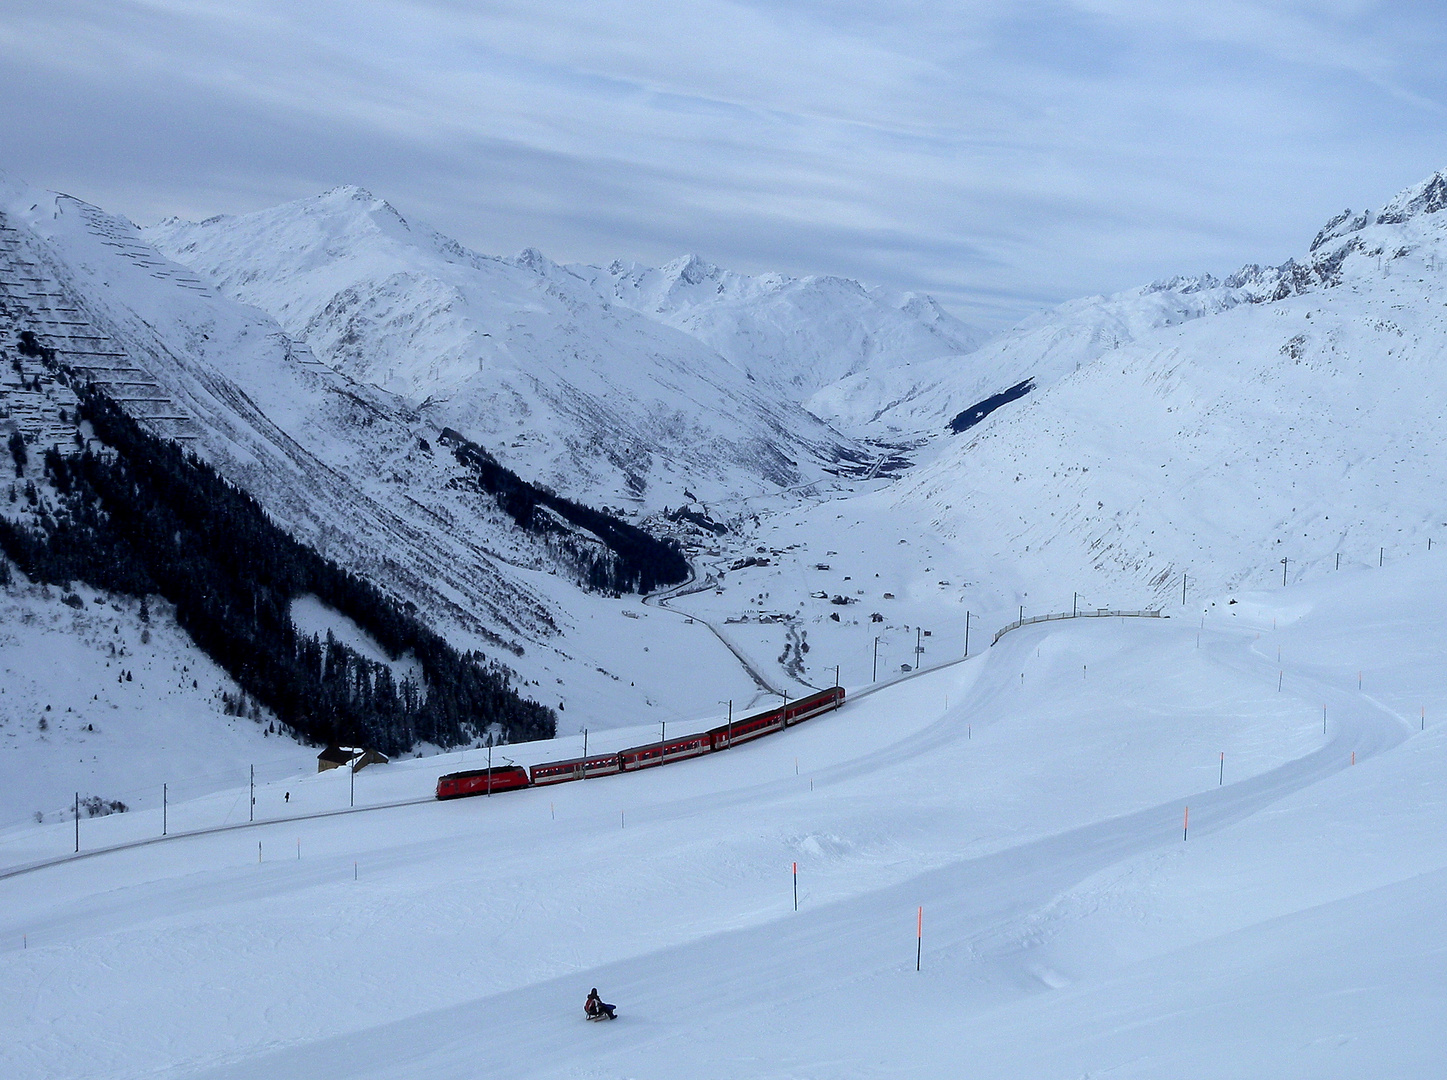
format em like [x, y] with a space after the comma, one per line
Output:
[210, 830]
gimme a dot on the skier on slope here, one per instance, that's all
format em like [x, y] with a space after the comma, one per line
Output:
[595, 1008]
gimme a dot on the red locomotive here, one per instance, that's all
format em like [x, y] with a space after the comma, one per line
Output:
[486, 781]
[481, 781]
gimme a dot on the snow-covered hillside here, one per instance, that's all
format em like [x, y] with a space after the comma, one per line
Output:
[1298, 427]
[1070, 927]
[523, 356]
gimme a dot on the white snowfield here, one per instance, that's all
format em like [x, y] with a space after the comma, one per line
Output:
[1299, 930]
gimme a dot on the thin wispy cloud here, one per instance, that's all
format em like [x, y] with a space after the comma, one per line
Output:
[1002, 156]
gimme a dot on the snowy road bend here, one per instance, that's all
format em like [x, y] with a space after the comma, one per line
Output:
[846, 965]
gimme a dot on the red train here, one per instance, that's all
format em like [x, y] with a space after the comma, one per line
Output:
[509, 778]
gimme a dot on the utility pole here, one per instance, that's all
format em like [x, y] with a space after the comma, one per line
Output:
[352, 799]
[1074, 604]
[489, 767]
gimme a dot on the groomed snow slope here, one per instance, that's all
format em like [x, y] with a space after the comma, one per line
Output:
[1069, 930]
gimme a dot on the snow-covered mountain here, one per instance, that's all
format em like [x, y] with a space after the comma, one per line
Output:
[346, 467]
[1297, 415]
[521, 355]
[798, 335]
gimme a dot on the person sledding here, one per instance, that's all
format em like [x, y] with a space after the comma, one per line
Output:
[595, 1008]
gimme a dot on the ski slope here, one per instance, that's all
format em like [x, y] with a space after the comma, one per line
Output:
[1030, 800]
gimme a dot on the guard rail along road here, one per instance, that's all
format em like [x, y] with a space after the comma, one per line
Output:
[1098, 613]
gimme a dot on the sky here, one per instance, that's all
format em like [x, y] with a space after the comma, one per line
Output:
[1002, 157]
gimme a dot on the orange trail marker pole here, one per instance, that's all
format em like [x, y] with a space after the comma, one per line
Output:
[919, 938]
[1186, 824]
[796, 886]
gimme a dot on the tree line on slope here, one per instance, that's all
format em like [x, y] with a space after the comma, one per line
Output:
[152, 519]
[632, 560]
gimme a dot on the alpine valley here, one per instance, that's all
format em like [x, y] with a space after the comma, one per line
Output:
[320, 474]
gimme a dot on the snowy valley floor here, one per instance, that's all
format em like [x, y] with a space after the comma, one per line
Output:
[1031, 800]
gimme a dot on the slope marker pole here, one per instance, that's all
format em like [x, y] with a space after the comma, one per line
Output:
[1186, 824]
[77, 822]
[1222, 779]
[163, 809]
[796, 886]
[919, 938]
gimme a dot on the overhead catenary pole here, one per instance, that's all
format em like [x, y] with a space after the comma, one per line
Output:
[489, 768]
[352, 795]
[253, 793]
[1074, 603]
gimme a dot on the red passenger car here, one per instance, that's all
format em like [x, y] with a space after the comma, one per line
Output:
[814, 704]
[660, 753]
[481, 782]
[555, 772]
